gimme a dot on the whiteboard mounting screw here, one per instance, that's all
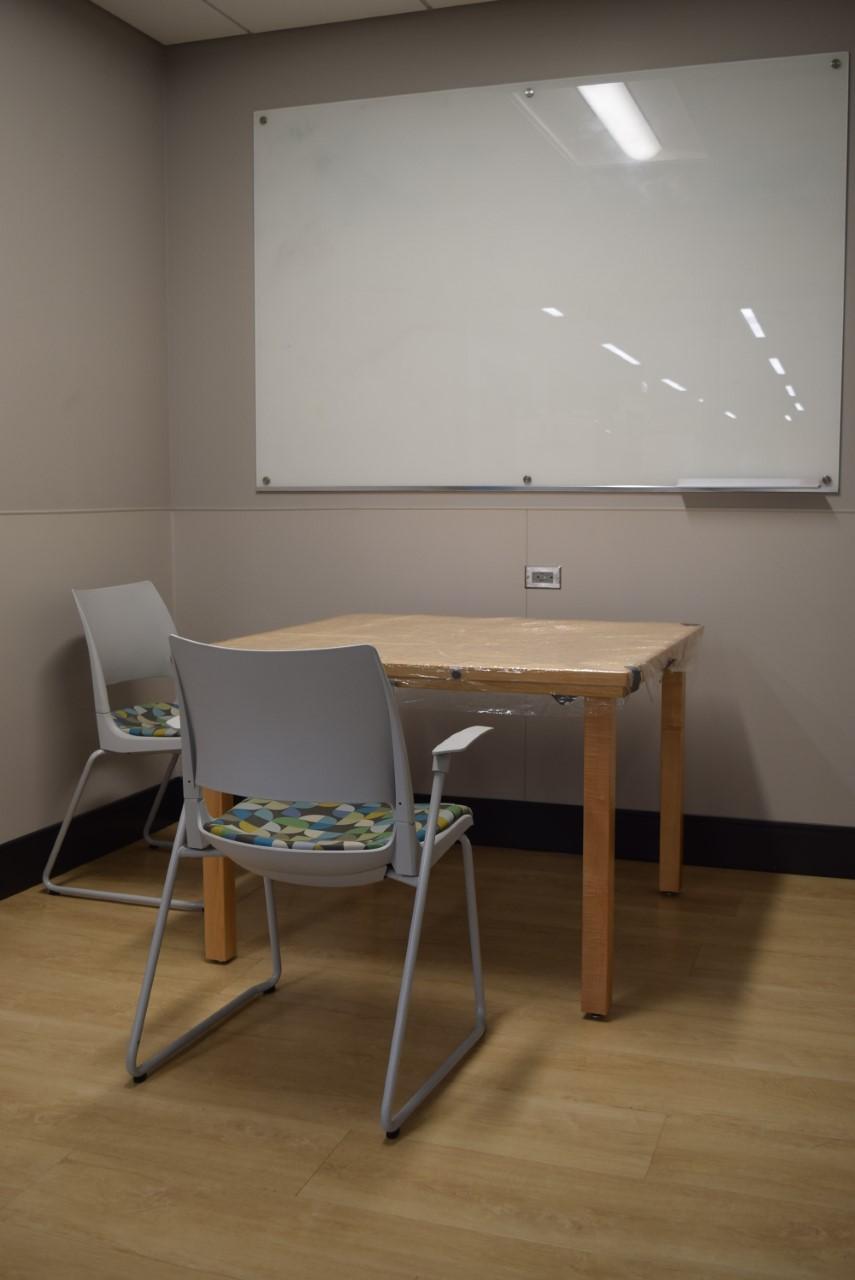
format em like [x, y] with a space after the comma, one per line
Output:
[826, 479]
[262, 119]
[526, 479]
[836, 63]
[265, 479]
[528, 93]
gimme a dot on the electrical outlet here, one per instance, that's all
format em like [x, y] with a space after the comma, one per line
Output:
[538, 575]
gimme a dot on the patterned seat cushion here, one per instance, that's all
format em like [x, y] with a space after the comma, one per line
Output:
[313, 824]
[148, 720]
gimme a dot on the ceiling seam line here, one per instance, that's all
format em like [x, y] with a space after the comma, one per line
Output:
[228, 17]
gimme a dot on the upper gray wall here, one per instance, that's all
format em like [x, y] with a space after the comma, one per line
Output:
[84, 480]
[82, 341]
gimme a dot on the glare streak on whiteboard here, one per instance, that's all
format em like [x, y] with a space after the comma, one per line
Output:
[624, 355]
[753, 323]
[615, 107]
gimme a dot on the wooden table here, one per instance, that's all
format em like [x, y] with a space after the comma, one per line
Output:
[600, 662]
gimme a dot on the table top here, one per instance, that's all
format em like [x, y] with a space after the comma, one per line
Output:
[501, 655]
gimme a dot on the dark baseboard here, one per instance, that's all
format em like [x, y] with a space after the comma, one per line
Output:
[90, 835]
[738, 843]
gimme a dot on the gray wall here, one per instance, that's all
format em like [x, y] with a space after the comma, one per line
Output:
[84, 483]
[94, 415]
[772, 712]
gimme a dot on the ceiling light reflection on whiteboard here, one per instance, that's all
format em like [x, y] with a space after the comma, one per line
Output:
[789, 417]
[791, 391]
[552, 311]
[616, 108]
[728, 414]
[624, 355]
[669, 382]
[800, 407]
[776, 364]
[752, 322]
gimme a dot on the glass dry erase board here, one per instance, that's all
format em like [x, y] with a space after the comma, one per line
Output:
[626, 281]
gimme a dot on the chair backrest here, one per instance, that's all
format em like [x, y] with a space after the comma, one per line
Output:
[317, 724]
[127, 631]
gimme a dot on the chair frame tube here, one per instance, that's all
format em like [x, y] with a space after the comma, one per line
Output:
[109, 895]
[139, 1071]
[392, 1120]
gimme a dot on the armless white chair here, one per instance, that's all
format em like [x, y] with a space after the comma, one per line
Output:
[127, 631]
[316, 723]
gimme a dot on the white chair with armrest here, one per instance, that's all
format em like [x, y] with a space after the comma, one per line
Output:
[314, 723]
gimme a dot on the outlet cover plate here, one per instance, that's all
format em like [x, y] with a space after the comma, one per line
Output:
[539, 575]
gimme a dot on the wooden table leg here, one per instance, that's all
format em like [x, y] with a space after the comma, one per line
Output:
[671, 782]
[598, 856]
[218, 890]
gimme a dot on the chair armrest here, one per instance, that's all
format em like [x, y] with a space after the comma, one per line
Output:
[457, 742]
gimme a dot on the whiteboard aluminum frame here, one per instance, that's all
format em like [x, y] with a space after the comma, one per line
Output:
[734, 486]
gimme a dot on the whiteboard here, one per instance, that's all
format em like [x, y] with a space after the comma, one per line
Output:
[479, 288]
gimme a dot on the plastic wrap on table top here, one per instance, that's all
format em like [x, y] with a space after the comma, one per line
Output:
[490, 706]
[503, 655]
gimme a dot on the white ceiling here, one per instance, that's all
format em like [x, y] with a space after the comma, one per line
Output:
[177, 21]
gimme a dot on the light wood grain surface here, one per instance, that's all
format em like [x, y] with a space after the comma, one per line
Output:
[672, 731]
[707, 1132]
[218, 887]
[598, 856]
[491, 655]
[600, 661]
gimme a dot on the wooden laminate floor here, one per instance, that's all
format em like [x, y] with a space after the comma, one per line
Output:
[707, 1132]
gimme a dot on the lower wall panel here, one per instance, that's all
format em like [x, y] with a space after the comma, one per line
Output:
[771, 711]
[239, 572]
[770, 728]
[48, 714]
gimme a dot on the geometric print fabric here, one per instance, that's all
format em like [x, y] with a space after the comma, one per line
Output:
[314, 824]
[148, 720]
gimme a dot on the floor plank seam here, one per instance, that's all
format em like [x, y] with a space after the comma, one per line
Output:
[96, 1242]
[9, 1205]
[326, 1158]
[662, 1127]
